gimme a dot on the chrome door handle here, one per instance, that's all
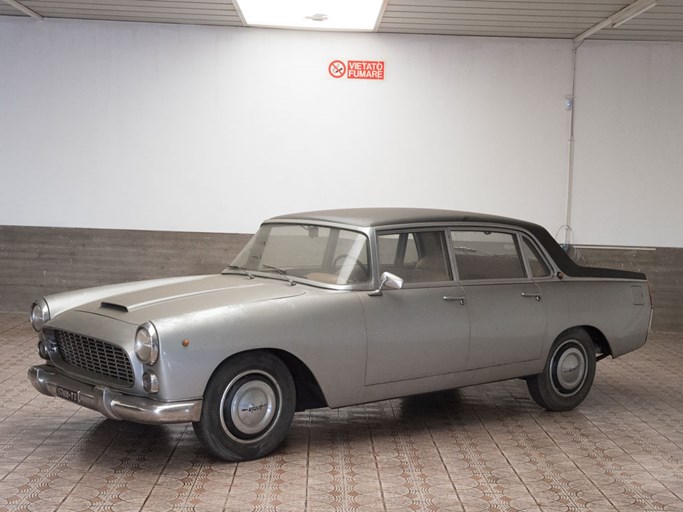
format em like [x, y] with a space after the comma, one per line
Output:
[536, 296]
[449, 298]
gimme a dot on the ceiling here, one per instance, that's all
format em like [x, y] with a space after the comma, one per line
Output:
[565, 19]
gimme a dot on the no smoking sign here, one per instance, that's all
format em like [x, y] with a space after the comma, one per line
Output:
[357, 69]
[337, 69]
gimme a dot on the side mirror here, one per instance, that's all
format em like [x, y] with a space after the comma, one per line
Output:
[389, 281]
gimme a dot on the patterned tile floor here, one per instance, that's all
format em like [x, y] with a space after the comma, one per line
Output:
[482, 448]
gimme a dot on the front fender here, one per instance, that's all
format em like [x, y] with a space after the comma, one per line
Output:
[322, 328]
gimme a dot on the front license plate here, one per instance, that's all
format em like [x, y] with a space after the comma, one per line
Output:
[67, 394]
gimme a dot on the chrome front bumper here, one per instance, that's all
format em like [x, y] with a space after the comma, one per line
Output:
[112, 404]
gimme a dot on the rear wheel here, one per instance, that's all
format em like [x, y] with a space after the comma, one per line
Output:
[568, 374]
[248, 407]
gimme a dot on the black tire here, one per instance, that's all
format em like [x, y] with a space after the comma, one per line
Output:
[568, 373]
[248, 407]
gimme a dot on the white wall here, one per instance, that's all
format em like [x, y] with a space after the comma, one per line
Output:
[629, 144]
[142, 126]
[123, 125]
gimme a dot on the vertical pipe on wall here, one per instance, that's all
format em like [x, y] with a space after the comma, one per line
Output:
[570, 169]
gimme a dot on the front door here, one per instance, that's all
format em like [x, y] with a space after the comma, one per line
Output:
[421, 330]
[415, 332]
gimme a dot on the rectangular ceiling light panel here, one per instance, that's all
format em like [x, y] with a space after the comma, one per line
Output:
[311, 14]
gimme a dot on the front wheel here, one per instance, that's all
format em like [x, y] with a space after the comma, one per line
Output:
[248, 407]
[568, 373]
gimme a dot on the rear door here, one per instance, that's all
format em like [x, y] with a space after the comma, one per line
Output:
[506, 308]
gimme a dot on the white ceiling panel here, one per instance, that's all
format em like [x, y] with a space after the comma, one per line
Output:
[563, 19]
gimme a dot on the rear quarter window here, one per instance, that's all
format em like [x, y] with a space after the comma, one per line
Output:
[537, 265]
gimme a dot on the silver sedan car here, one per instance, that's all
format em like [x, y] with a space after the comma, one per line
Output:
[340, 307]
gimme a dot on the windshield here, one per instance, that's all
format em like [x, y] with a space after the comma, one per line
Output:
[317, 253]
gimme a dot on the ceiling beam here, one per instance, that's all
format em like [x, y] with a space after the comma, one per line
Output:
[24, 9]
[617, 19]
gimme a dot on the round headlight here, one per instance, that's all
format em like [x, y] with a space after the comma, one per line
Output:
[147, 344]
[39, 314]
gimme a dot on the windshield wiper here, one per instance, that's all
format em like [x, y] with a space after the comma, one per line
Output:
[281, 272]
[241, 269]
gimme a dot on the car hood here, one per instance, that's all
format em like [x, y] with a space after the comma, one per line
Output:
[203, 293]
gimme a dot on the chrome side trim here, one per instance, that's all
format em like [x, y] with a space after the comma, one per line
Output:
[112, 404]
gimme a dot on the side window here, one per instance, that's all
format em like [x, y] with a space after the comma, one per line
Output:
[417, 257]
[536, 264]
[487, 255]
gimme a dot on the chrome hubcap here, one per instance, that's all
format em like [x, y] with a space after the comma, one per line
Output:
[253, 407]
[569, 368]
[250, 406]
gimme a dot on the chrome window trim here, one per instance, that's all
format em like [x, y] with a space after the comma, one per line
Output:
[373, 232]
[511, 280]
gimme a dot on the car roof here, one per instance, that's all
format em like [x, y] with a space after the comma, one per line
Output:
[378, 217]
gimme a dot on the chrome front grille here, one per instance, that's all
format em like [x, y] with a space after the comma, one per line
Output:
[95, 356]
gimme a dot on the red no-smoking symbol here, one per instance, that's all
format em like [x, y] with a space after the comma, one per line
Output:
[337, 69]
